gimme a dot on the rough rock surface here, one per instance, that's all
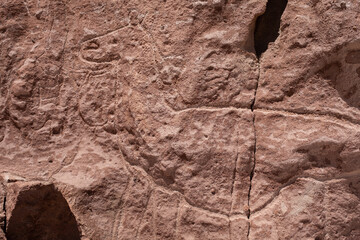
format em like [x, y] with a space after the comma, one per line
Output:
[165, 119]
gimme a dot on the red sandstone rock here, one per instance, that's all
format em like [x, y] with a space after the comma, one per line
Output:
[2, 235]
[165, 120]
[305, 176]
[2, 212]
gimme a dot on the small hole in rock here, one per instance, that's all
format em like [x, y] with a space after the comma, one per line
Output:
[268, 24]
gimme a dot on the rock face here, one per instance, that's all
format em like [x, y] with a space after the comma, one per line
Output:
[171, 119]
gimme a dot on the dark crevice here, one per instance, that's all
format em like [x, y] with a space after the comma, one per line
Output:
[252, 106]
[4, 209]
[251, 175]
[254, 154]
[267, 25]
[41, 212]
[266, 31]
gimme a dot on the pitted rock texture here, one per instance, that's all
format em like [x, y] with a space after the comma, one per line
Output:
[165, 120]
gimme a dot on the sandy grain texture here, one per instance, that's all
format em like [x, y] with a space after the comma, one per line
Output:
[184, 120]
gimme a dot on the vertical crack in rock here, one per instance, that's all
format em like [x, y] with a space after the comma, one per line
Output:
[232, 192]
[267, 25]
[266, 30]
[254, 150]
[233, 179]
[4, 209]
[251, 174]
[143, 214]
[230, 235]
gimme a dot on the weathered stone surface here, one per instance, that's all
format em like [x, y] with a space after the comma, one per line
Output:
[289, 147]
[2, 211]
[2, 235]
[312, 209]
[165, 119]
[307, 177]
[313, 65]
